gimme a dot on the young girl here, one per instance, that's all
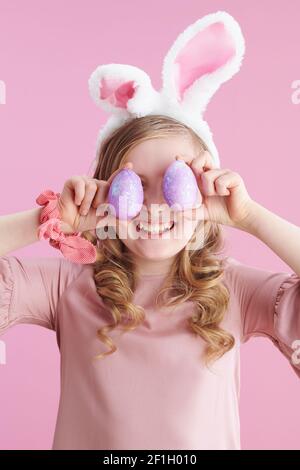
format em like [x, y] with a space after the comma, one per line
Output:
[172, 381]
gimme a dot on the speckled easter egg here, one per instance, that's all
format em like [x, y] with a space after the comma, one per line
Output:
[126, 194]
[180, 185]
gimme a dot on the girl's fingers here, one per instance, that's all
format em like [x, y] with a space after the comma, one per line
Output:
[90, 191]
[208, 178]
[93, 192]
[220, 185]
[202, 162]
[100, 194]
[79, 191]
[128, 165]
[227, 180]
[77, 185]
[207, 182]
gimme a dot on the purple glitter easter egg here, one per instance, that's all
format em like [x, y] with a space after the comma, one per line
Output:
[180, 185]
[126, 194]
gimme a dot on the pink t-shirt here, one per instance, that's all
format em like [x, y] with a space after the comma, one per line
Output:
[153, 392]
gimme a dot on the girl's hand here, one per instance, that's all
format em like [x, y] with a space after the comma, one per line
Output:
[225, 199]
[80, 198]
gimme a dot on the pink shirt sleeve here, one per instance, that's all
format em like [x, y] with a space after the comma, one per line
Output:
[270, 306]
[30, 289]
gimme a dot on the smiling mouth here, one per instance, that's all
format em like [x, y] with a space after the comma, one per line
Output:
[155, 229]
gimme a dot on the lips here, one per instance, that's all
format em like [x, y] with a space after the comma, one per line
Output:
[163, 220]
[148, 222]
[158, 229]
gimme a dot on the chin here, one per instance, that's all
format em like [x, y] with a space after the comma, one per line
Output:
[150, 252]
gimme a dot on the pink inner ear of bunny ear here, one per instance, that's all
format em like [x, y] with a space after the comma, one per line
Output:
[116, 92]
[207, 51]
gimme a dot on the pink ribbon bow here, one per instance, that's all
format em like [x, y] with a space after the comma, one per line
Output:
[72, 246]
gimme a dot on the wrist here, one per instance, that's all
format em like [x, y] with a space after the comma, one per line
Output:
[53, 228]
[250, 222]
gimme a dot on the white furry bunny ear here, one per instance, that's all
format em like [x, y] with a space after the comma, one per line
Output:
[204, 55]
[122, 89]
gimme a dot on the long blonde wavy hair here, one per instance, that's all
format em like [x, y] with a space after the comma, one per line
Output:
[195, 274]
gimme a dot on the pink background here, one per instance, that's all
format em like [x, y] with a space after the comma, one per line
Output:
[48, 129]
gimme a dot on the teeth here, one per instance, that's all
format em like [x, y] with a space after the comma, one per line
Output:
[155, 228]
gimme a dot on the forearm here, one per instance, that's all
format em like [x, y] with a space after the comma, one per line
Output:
[281, 236]
[20, 229]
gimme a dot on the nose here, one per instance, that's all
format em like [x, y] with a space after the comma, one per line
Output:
[156, 207]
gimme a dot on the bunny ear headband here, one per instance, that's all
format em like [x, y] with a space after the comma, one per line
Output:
[206, 54]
